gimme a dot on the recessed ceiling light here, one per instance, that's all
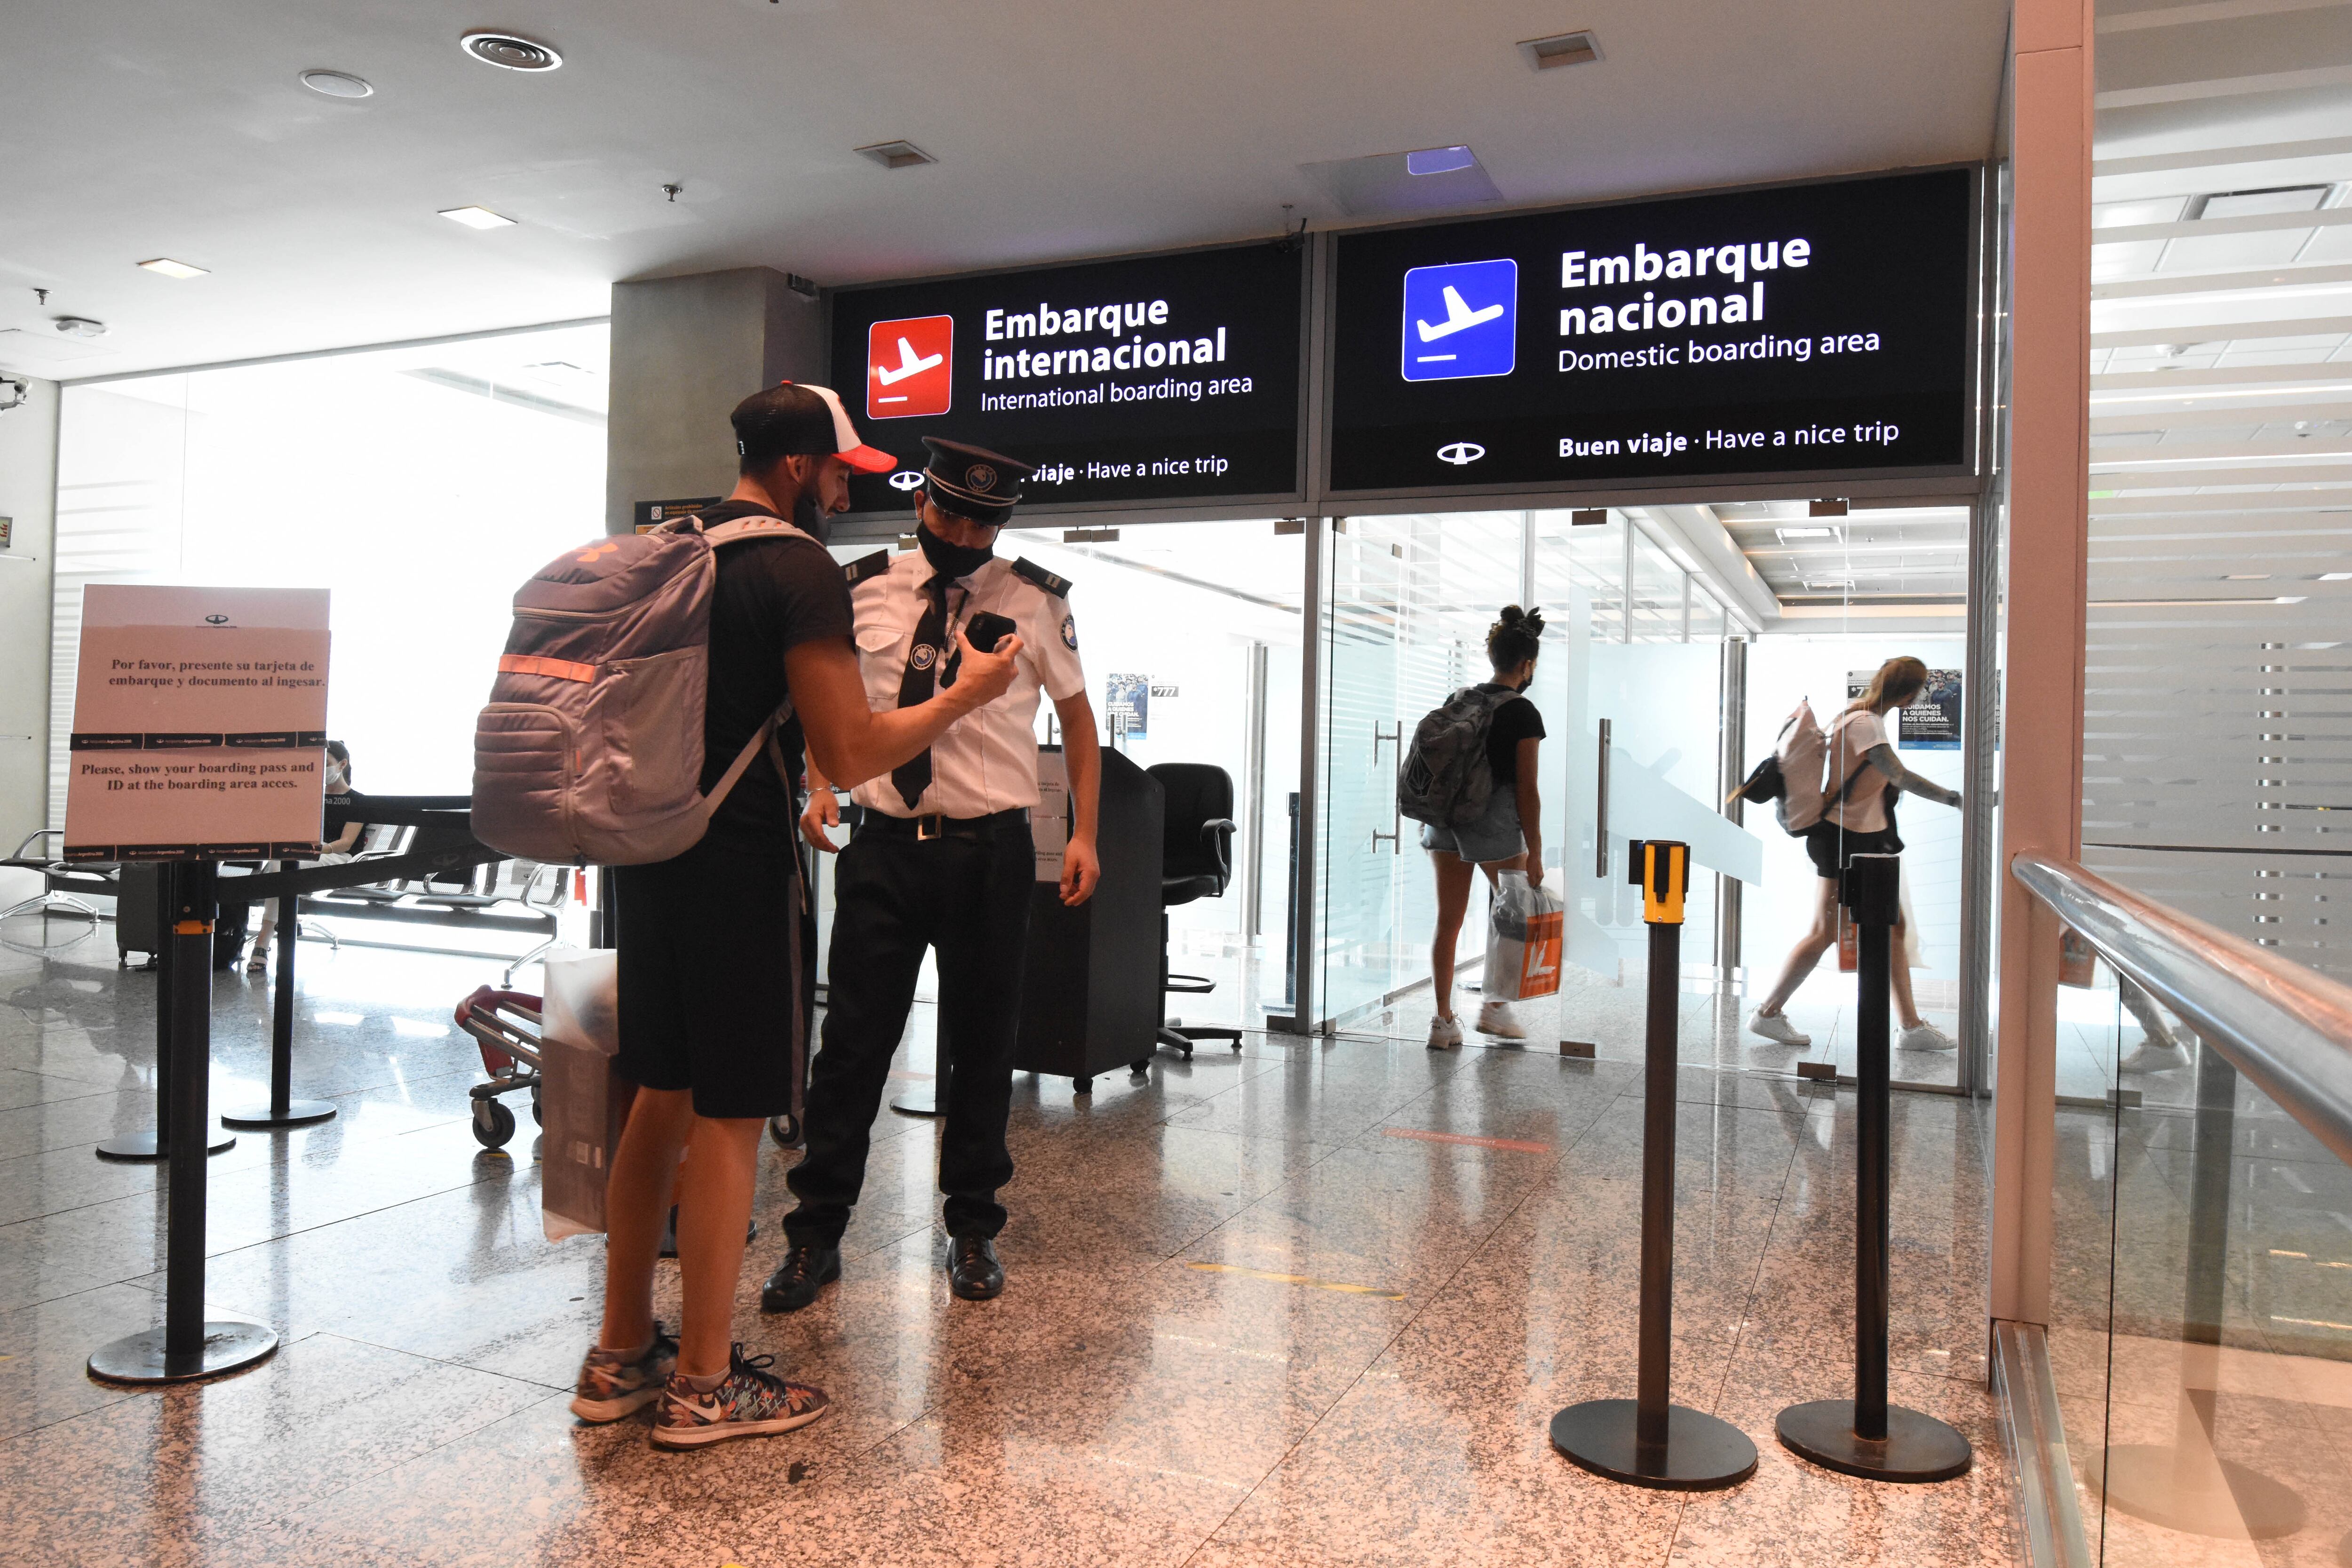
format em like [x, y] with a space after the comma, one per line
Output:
[476, 217]
[2335, 576]
[894, 154]
[2246, 577]
[509, 52]
[1792, 535]
[336, 84]
[1562, 49]
[171, 269]
[79, 327]
[1439, 160]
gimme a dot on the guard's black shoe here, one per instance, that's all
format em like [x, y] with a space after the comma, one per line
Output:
[804, 1271]
[973, 1272]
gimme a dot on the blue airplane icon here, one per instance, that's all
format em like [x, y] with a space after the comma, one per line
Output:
[1461, 319]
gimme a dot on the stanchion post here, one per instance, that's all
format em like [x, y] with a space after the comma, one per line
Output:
[283, 1109]
[1648, 1440]
[157, 1144]
[192, 1342]
[1866, 1435]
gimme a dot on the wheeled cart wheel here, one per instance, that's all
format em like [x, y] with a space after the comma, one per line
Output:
[537, 1117]
[494, 1124]
[1139, 1066]
[785, 1131]
[1082, 1086]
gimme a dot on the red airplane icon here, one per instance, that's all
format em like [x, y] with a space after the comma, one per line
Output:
[909, 367]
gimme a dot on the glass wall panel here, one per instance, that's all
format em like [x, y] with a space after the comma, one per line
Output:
[419, 484]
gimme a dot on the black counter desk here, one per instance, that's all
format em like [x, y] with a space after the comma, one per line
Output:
[1088, 996]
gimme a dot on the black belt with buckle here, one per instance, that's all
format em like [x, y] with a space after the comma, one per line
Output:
[937, 826]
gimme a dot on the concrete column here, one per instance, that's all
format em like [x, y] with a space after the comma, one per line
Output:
[28, 498]
[2048, 555]
[686, 351]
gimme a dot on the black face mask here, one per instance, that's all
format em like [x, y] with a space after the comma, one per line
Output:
[955, 560]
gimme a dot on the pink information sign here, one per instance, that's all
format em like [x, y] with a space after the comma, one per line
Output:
[200, 719]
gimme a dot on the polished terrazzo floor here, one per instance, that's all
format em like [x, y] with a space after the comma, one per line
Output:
[1311, 1303]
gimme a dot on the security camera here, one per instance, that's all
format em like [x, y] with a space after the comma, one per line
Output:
[12, 394]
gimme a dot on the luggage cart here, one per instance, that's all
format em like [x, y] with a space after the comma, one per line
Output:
[505, 1025]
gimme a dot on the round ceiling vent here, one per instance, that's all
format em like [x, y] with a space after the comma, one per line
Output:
[509, 52]
[336, 84]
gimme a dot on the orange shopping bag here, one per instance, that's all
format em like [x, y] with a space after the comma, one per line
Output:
[1539, 965]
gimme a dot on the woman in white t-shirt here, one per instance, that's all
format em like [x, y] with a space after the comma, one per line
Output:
[1864, 779]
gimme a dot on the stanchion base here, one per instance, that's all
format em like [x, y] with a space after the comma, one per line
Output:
[142, 1146]
[298, 1113]
[231, 1344]
[921, 1101]
[1701, 1454]
[2212, 1497]
[1916, 1448]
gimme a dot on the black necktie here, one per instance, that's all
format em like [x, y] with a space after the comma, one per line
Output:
[930, 650]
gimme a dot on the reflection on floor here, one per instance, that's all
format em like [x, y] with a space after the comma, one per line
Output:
[1180, 1372]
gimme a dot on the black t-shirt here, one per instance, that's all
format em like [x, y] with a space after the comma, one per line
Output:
[773, 595]
[1514, 720]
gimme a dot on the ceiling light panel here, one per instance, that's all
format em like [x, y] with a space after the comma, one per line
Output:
[476, 217]
[171, 269]
[336, 84]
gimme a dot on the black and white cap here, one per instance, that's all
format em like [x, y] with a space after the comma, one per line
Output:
[791, 419]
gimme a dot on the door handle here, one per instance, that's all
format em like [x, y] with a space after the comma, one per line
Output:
[1394, 737]
[1600, 810]
[1379, 739]
[1391, 837]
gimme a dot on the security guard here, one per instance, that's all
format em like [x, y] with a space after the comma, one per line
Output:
[942, 858]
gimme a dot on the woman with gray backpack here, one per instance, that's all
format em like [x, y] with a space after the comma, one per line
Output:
[1470, 781]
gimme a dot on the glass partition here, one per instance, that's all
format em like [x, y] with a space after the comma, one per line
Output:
[2201, 1314]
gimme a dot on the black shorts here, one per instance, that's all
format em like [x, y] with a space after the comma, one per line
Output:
[1831, 847]
[712, 983]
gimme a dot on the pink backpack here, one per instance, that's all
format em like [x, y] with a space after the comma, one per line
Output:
[590, 751]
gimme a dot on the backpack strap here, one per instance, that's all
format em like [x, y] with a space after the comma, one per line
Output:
[765, 736]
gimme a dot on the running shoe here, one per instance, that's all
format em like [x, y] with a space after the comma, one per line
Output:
[1444, 1034]
[614, 1384]
[1495, 1018]
[1924, 1037]
[753, 1402]
[1776, 1027]
[2156, 1056]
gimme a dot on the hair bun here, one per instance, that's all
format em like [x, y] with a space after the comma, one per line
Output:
[1513, 615]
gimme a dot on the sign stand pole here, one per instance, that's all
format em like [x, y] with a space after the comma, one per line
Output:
[156, 1145]
[194, 1343]
[1866, 1435]
[1647, 1441]
[283, 1109]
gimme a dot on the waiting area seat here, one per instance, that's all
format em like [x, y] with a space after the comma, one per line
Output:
[1197, 863]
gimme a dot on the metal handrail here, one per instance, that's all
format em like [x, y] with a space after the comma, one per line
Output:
[2287, 1028]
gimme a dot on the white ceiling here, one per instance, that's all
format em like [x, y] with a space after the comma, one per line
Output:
[133, 131]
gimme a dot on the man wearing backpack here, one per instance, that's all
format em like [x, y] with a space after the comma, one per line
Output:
[709, 962]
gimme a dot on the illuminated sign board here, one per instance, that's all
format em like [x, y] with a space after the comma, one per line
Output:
[1144, 379]
[1798, 329]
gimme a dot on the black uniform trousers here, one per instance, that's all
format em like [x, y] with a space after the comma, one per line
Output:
[895, 895]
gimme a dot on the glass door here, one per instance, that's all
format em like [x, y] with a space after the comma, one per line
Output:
[1410, 599]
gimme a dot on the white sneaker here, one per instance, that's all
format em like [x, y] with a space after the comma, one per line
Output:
[2156, 1056]
[1926, 1038]
[1495, 1018]
[1444, 1034]
[1776, 1027]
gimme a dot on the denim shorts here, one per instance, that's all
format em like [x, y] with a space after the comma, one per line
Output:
[1495, 836]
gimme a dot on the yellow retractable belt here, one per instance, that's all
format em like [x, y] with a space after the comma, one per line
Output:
[1661, 869]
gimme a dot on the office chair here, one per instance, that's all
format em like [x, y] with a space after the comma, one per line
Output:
[1197, 862]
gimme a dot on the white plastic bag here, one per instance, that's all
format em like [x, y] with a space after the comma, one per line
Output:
[1523, 940]
[584, 1099]
[581, 1006]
